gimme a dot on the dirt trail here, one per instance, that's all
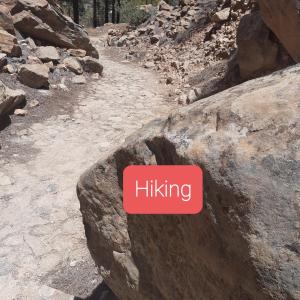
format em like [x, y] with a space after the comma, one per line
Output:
[42, 241]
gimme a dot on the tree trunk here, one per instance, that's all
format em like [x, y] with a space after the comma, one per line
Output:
[118, 11]
[106, 10]
[113, 12]
[76, 11]
[95, 15]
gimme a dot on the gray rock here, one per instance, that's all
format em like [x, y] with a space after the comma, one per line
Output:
[221, 16]
[34, 75]
[246, 139]
[47, 54]
[282, 17]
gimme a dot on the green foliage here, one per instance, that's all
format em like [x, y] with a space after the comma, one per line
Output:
[132, 13]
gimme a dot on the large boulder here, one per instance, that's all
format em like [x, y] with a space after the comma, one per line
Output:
[9, 99]
[245, 243]
[9, 44]
[6, 21]
[257, 51]
[40, 20]
[282, 16]
[34, 75]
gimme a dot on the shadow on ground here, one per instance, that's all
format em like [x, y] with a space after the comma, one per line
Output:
[101, 292]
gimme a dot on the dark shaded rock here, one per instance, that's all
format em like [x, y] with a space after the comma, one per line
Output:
[9, 99]
[257, 51]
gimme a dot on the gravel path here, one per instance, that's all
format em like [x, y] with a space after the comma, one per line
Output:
[42, 241]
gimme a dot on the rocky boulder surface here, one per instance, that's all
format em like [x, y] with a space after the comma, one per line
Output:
[6, 21]
[9, 44]
[34, 75]
[282, 17]
[245, 244]
[9, 99]
[40, 20]
[257, 52]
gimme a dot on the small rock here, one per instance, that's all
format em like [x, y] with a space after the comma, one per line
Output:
[77, 52]
[33, 60]
[73, 263]
[73, 65]
[91, 65]
[20, 112]
[80, 79]
[5, 180]
[34, 103]
[149, 65]
[95, 76]
[154, 39]
[47, 53]
[221, 16]
[31, 43]
[169, 80]
[9, 69]
[192, 96]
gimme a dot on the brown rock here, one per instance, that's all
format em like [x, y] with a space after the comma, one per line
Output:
[257, 53]
[162, 5]
[6, 21]
[222, 15]
[73, 65]
[9, 99]
[34, 75]
[9, 44]
[282, 17]
[77, 52]
[244, 243]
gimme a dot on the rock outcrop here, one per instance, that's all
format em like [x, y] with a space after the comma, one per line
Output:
[282, 16]
[245, 244]
[40, 20]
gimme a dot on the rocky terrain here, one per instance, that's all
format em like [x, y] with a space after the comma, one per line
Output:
[203, 47]
[40, 48]
[71, 100]
[245, 244]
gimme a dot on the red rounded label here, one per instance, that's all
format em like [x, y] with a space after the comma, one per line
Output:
[174, 189]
